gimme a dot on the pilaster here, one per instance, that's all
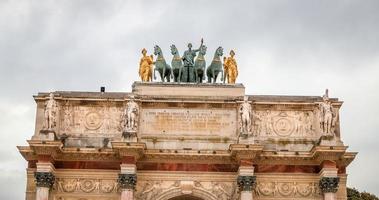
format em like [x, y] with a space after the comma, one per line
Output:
[127, 181]
[44, 180]
[329, 180]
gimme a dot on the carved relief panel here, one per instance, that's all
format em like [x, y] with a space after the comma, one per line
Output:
[288, 124]
[76, 185]
[91, 120]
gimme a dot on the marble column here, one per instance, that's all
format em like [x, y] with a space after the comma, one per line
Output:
[329, 187]
[45, 179]
[329, 180]
[127, 181]
[246, 182]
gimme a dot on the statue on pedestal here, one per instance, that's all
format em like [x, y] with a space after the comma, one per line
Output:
[51, 113]
[188, 74]
[176, 64]
[230, 68]
[161, 66]
[246, 113]
[130, 118]
[146, 67]
[216, 66]
[328, 117]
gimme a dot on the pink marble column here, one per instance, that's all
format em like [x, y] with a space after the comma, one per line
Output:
[127, 184]
[42, 193]
[44, 179]
[127, 194]
[329, 187]
[329, 180]
[246, 182]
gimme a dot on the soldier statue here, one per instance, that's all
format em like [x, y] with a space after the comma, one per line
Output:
[246, 113]
[327, 115]
[51, 110]
[130, 116]
[188, 73]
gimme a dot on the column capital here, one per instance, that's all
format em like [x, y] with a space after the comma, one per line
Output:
[44, 179]
[246, 183]
[127, 181]
[329, 184]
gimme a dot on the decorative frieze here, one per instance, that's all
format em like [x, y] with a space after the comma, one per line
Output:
[86, 185]
[329, 184]
[246, 183]
[164, 189]
[127, 181]
[44, 179]
[283, 189]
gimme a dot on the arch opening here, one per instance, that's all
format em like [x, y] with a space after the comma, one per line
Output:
[186, 197]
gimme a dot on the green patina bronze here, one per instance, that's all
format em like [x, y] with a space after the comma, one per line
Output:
[200, 65]
[176, 63]
[161, 66]
[188, 72]
[216, 66]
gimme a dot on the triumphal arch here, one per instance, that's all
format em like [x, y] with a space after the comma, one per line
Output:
[187, 140]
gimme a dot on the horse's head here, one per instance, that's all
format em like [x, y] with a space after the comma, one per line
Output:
[203, 50]
[219, 51]
[157, 50]
[174, 50]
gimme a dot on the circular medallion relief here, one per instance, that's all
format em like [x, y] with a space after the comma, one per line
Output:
[93, 120]
[283, 127]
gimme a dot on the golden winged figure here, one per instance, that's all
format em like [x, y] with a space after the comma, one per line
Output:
[146, 67]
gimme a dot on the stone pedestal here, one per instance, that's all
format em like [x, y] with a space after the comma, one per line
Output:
[246, 182]
[47, 135]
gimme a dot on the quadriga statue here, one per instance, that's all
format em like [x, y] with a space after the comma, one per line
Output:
[230, 68]
[216, 67]
[146, 67]
[188, 73]
[200, 65]
[176, 64]
[161, 66]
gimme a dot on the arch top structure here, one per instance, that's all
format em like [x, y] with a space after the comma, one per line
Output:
[172, 141]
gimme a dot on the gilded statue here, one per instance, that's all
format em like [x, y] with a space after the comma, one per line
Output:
[230, 68]
[146, 67]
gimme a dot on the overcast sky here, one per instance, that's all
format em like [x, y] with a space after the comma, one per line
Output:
[282, 47]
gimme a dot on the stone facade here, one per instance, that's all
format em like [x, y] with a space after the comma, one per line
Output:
[201, 141]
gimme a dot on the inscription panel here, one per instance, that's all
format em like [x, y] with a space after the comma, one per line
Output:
[188, 122]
